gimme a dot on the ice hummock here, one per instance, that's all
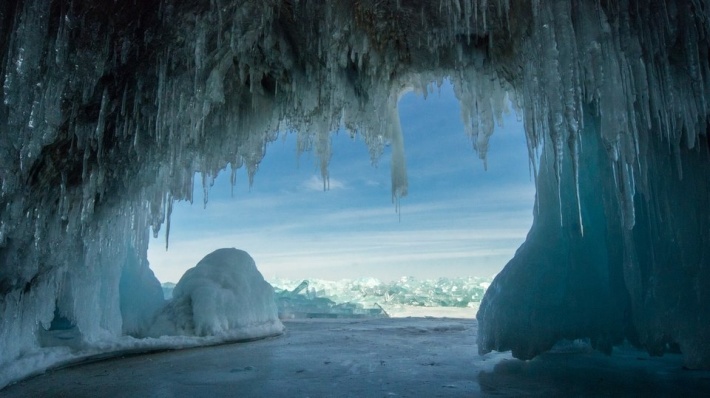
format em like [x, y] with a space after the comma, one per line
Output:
[223, 294]
[303, 302]
[167, 288]
[372, 297]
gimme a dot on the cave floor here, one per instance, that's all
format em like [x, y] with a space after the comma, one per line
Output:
[408, 357]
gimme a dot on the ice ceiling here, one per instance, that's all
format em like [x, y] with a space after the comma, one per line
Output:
[109, 107]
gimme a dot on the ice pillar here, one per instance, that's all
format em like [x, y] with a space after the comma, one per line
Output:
[649, 284]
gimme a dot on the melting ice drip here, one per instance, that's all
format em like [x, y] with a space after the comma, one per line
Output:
[109, 109]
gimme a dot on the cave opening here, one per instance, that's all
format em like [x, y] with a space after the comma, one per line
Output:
[460, 223]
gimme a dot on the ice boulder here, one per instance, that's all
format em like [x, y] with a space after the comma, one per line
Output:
[225, 295]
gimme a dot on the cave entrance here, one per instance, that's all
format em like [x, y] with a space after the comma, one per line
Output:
[458, 222]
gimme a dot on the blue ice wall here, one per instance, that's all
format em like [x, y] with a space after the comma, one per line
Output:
[565, 280]
[604, 282]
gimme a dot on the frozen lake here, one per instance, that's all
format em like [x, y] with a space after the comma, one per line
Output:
[408, 357]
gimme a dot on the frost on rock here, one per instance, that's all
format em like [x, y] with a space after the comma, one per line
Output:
[224, 294]
[109, 108]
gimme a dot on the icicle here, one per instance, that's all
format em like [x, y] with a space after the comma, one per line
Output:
[233, 178]
[399, 173]
[101, 126]
[167, 220]
[205, 190]
[575, 144]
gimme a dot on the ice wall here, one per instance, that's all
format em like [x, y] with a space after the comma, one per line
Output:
[108, 108]
[649, 285]
[562, 283]
[621, 223]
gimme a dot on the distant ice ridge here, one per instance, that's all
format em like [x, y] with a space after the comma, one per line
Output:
[370, 296]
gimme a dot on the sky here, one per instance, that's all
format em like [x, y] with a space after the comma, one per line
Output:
[457, 220]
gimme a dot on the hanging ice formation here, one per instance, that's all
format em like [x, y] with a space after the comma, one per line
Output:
[108, 108]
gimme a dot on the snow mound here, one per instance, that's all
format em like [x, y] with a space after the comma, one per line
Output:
[223, 294]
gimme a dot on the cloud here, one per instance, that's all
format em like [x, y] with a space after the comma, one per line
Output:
[347, 254]
[315, 183]
[331, 243]
[308, 213]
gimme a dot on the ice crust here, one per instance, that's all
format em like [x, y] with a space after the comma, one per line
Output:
[109, 108]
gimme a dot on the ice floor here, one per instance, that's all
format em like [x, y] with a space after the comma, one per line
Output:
[406, 357]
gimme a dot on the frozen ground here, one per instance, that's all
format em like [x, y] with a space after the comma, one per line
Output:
[410, 357]
[404, 311]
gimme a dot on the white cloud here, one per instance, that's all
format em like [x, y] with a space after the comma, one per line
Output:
[315, 183]
[291, 234]
[393, 249]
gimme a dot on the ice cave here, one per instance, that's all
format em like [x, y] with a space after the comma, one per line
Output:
[109, 108]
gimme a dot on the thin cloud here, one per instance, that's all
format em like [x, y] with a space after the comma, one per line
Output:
[315, 183]
[284, 252]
